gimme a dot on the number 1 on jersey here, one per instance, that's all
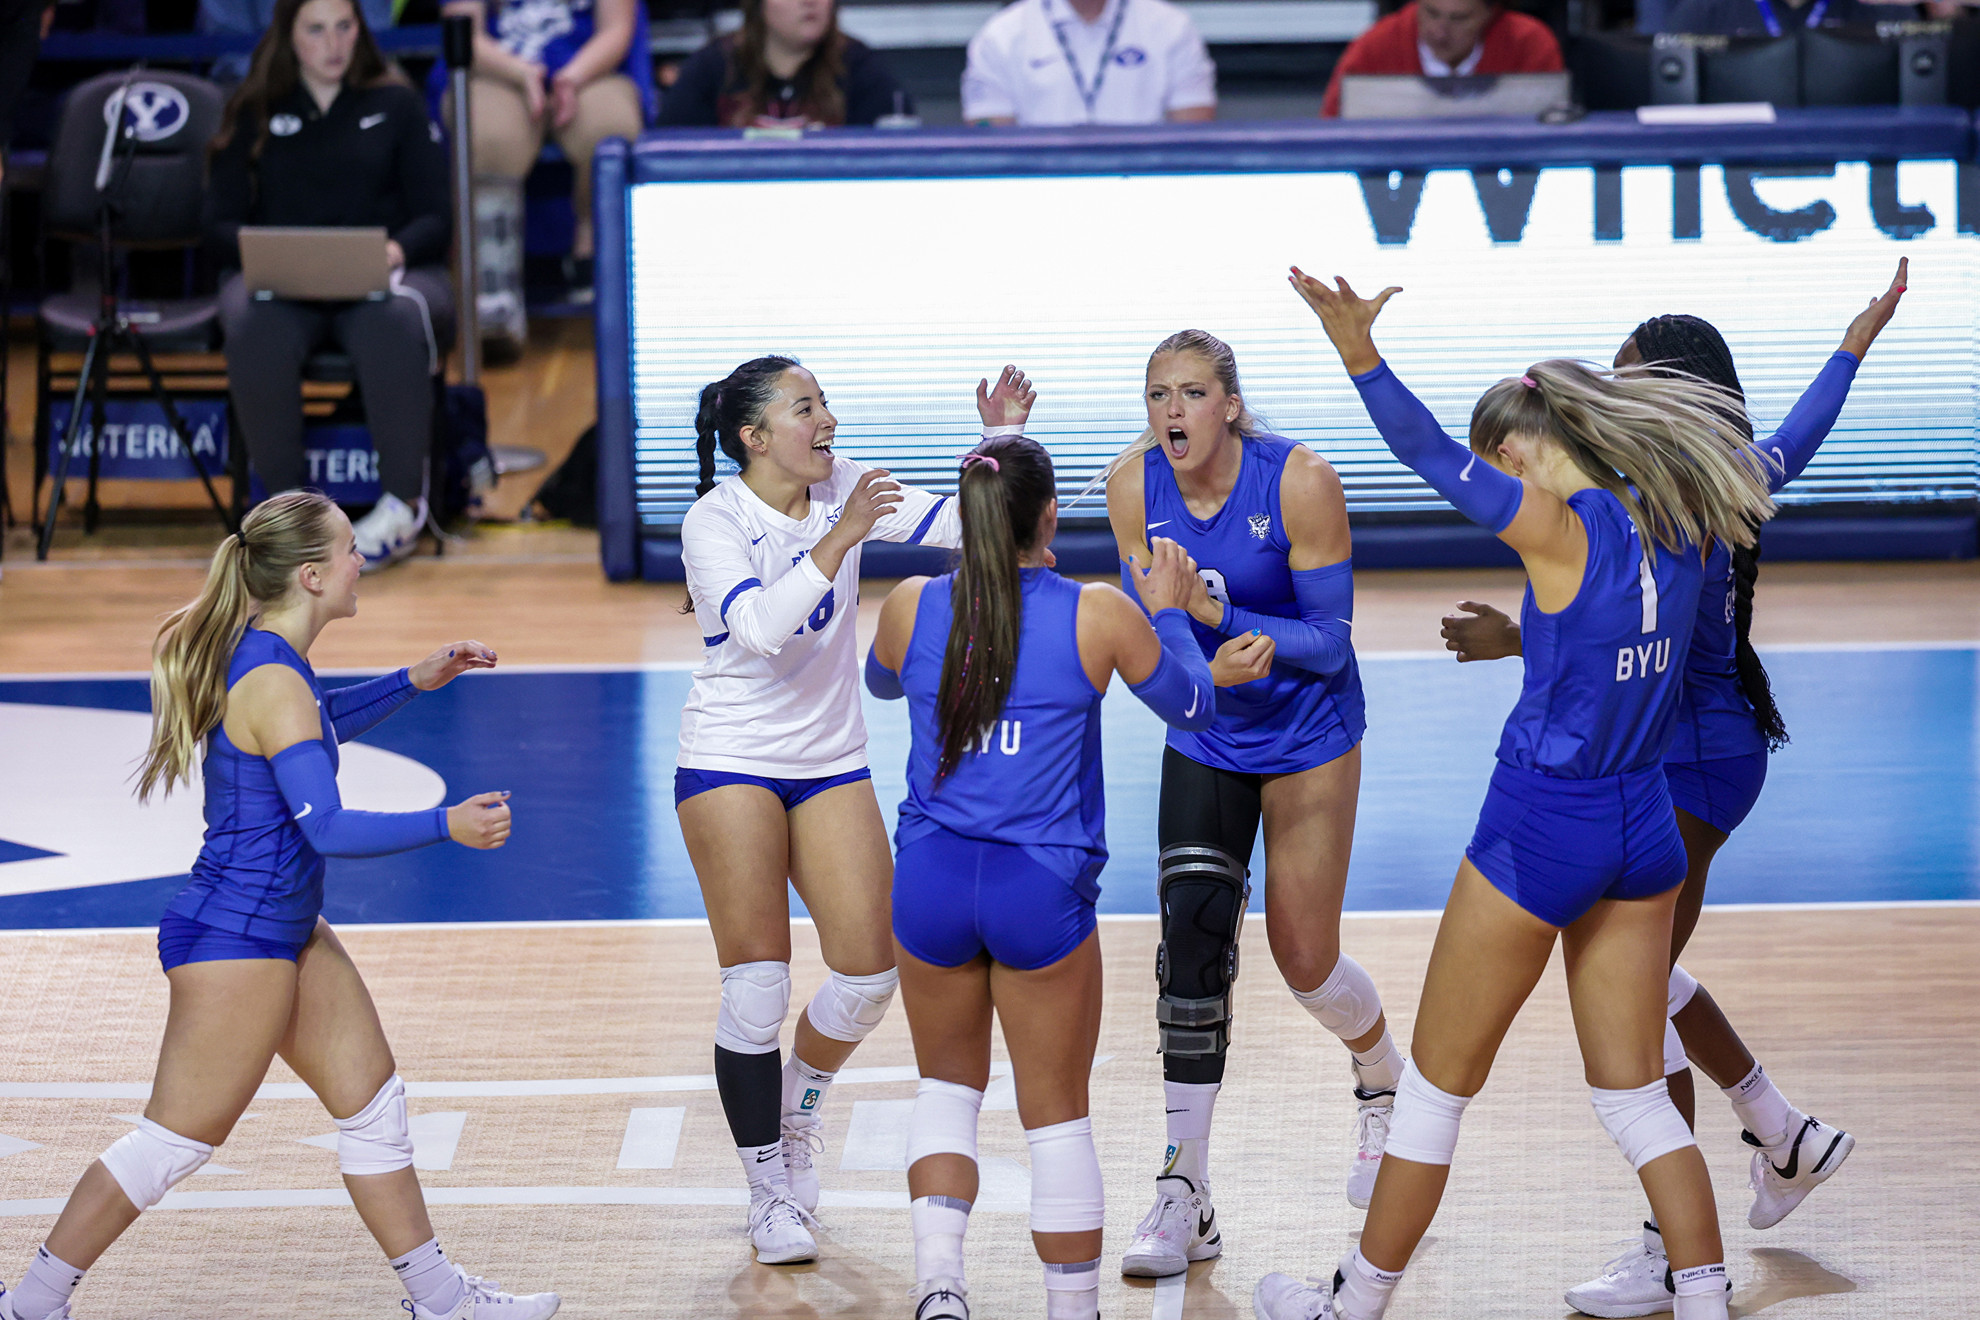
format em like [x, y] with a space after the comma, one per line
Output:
[822, 615]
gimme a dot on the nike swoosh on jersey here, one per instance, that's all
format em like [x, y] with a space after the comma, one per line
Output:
[1164, 523]
[759, 538]
[1194, 697]
[371, 121]
[307, 808]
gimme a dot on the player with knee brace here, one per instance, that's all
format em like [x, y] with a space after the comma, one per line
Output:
[1607, 484]
[772, 786]
[1726, 725]
[1266, 522]
[255, 971]
[1000, 845]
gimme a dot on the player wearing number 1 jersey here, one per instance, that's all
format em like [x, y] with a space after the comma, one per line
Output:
[772, 783]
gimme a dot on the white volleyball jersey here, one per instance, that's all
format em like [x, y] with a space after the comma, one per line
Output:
[777, 693]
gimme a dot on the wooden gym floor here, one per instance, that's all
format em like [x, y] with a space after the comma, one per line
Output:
[530, 1048]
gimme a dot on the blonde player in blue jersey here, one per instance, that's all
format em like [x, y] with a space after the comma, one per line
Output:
[1000, 845]
[772, 787]
[255, 970]
[1266, 522]
[1609, 485]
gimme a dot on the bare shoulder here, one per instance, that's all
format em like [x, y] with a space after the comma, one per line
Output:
[1310, 478]
[1127, 508]
[1106, 603]
[266, 686]
[270, 709]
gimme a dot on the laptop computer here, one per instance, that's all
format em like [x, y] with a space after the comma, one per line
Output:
[1410, 96]
[315, 264]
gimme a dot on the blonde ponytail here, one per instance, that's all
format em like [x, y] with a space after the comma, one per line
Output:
[195, 644]
[1670, 446]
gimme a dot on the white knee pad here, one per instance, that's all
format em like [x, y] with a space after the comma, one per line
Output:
[849, 1007]
[150, 1160]
[756, 998]
[378, 1137]
[1643, 1122]
[1346, 1002]
[943, 1121]
[1066, 1193]
[1674, 1060]
[1425, 1124]
[1682, 987]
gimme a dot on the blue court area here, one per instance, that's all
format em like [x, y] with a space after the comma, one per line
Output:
[1874, 801]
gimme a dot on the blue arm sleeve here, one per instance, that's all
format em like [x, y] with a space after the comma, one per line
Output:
[1321, 638]
[361, 706]
[1475, 489]
[1179, 690]
[881, 681]
[1788, 451]
[309, 785]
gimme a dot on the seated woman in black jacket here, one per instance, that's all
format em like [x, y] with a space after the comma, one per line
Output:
[325, 132]
[788, 66]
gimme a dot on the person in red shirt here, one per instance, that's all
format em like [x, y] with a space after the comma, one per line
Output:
[1438, 38]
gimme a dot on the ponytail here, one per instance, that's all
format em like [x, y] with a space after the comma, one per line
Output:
[195, 644]
[726, 406]
[1002, 491]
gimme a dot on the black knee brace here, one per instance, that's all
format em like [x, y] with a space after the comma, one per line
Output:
[1203, 893]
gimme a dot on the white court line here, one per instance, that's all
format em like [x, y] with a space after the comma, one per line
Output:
[294, 1198]
[1169, 1297]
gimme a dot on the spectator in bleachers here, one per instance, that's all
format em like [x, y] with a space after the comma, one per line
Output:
[1442, 38]
[788, 66]
[325, 132]
[1051, 62]
[251, 18]
[1773, 18]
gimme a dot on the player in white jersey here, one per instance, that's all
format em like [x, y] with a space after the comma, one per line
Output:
[772, 783]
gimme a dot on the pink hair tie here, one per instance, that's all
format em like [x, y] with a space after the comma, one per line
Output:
[1529, 382]
[981, 458]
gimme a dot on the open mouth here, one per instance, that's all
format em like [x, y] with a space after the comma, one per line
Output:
[1177, 442]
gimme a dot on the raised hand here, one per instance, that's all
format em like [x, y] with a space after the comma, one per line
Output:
[1870, 322]
[873, 497]
[1165, 584]
[1008, 403]
[1347, 317]
[480, 822]
[1486, 634]
[1242, 659]
[449, 663]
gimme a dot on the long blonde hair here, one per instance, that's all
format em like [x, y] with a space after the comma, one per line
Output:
[1222, 361]
[1670, 446]
[196, 642]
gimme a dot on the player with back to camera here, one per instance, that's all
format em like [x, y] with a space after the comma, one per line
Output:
[1266, 522]
[1726, 725]
[1608, 484]
[255, 970]
[1000, 846]
[772, 785]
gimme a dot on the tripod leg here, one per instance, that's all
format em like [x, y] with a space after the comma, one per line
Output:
[67, 449]
[99, 420]
[180, 429]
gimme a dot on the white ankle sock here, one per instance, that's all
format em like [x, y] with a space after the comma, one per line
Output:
[49, 1282]
[1072, 1292]
[804, 1090]
[939, 1224]
[430, 1279]
[1702, 1293]
[1365, 1291]
[1379, 1068]
[764, 1167]
[1190, 1107]
[1762, 1109]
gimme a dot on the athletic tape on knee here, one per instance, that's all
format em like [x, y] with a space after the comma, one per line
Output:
[1683, 986]
[1203, 891]
[1346, 1003]
[848, 1008]
[756, 998]
[1643, 1122]
[150, 1160]
[378, 1137]
[1674, 1059]
[943, 1121]
[1067, 1195]
[1425, 1121]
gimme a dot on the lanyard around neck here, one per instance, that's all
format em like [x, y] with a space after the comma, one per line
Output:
[1090, 96]
[1774, 24]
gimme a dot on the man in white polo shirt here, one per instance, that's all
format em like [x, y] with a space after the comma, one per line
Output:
[1053, 62]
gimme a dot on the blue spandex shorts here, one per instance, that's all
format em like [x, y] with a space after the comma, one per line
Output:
[957, 897]
[1558, 846]
[1720, 792]
[182, 940]
[790, 792]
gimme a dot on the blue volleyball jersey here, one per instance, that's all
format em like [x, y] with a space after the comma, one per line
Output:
[1034, 779]
[1714, 719]
[1292, 719]
[256, 874]
[1603, 676]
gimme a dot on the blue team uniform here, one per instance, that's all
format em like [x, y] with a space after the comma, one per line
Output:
[1292, 719]
[257, 885]
[961, 887]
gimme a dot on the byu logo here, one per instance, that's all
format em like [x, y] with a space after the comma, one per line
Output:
[1261, 525]
[153, 111]
[285, 125]
[1131, 56]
